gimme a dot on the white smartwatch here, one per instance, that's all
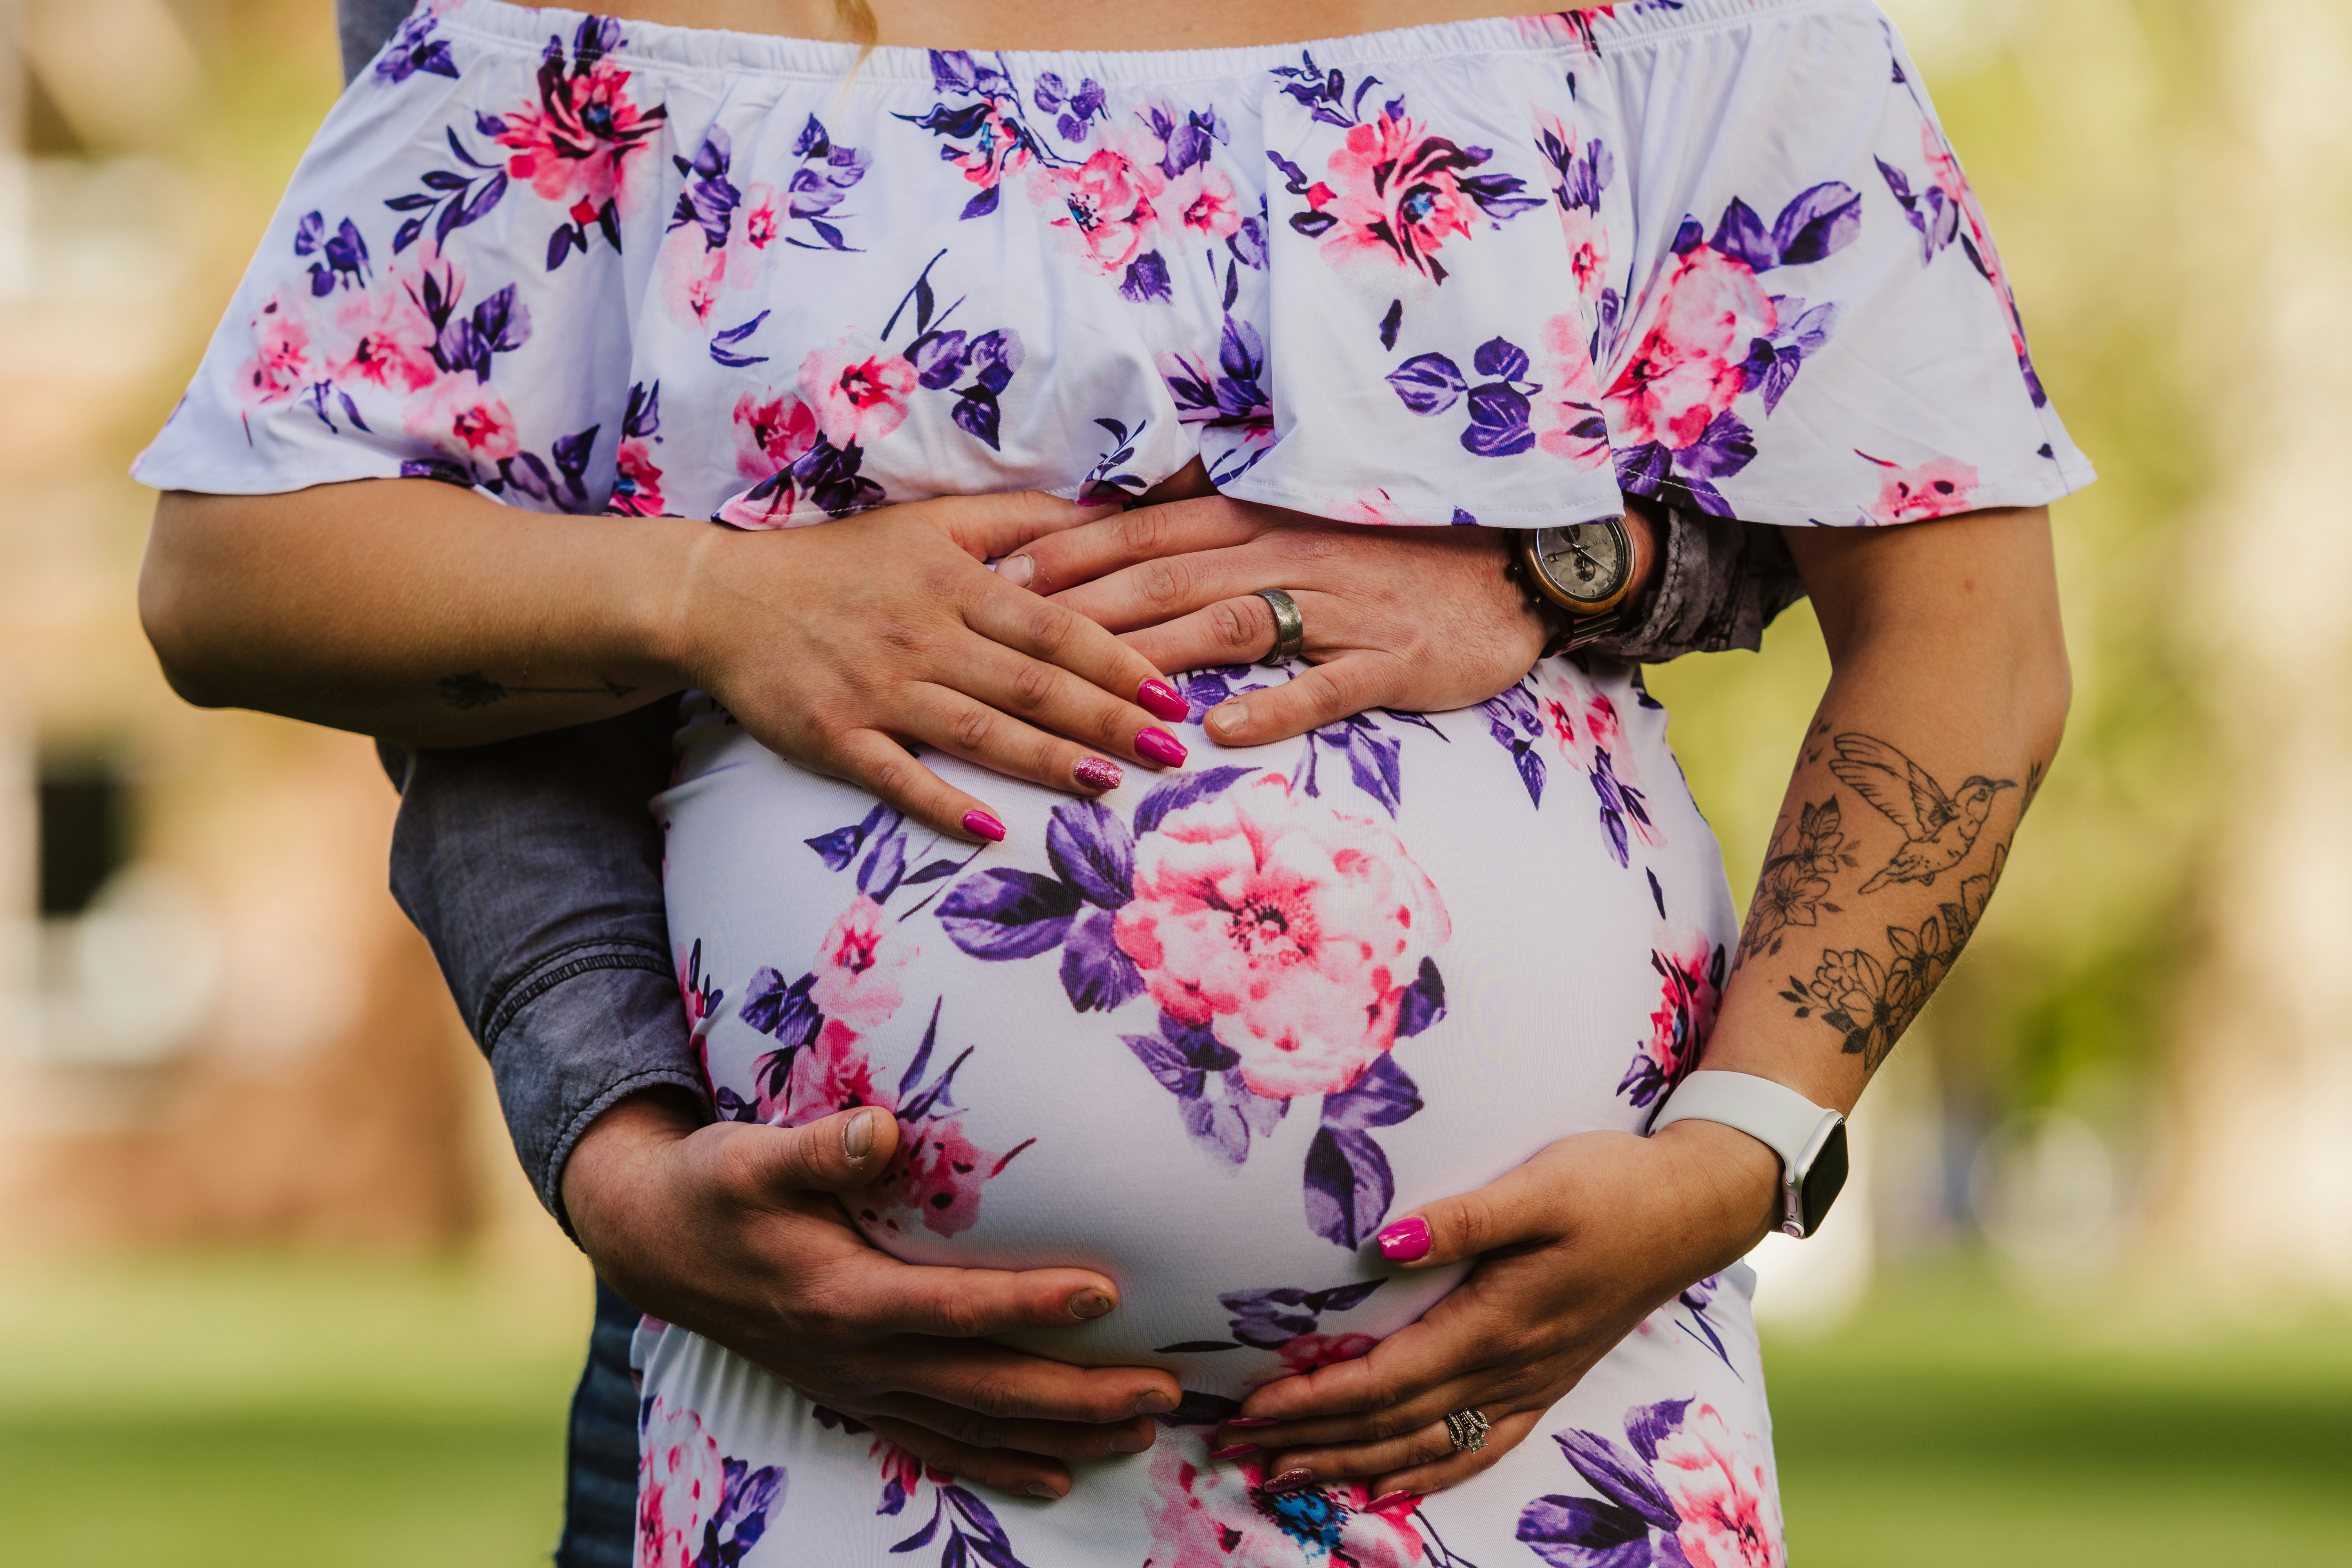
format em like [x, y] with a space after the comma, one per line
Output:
[1811, 1140]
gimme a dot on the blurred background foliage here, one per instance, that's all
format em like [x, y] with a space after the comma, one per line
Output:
[311, 1380]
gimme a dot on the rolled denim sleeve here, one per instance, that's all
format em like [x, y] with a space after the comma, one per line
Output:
[533, 867]
[1721, 584]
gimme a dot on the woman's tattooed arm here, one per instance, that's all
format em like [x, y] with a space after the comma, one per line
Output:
[1945, 704]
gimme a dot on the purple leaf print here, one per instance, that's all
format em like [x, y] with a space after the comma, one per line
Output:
[1382, 1097]
[840, 846]
[1818, 223]
[1586, 1533]
[1499, 427]
[938, 358]
[1428, 383]
[1723, 449]
[1424, 1002]
[1689, 236]
[1646, 1424]
[1349, 1187]
[1096, 975]
[981, 204]
[414, 49]
[722, 345]
[1147, 280]
[1179, 792]
[977, 415]
[1005, 913]
[1092, 849]
[1742, 236]
[784, 1011]
[1619, 1476]
[709, 200]
[1390, 323]
[1502, 359]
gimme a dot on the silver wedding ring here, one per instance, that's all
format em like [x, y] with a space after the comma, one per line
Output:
[1289, 625]
[1467, 1430]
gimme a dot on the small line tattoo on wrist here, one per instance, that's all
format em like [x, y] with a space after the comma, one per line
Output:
[474, 690]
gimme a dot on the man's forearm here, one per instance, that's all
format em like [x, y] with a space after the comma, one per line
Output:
[533, 867]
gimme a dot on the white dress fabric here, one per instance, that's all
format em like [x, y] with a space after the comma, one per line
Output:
[1208, 1032]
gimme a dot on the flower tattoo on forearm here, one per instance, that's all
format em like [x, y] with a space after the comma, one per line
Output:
[1870, 997]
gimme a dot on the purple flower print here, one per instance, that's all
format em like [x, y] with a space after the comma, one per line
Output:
[414, 48]
[967, 1528]
[1075, 108]
[1430, 384]
[825, 175]
[695, 1508]
[342, 256]
[1220, 1111]
[1684, 1489]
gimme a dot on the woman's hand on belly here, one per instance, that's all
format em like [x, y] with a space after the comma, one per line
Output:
[1416, 619]
[1574, 1248]
[732, 1231]
[834, 646]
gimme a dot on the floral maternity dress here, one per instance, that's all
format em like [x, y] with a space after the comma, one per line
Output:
[1207, 1032]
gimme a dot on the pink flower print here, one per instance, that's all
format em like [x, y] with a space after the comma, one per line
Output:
[771, 430]
[1220, 1516]
[280, 364]
[1289, 930]
[1936, 488]
[1397, 193]
[832, 1073]
[1588, 254]
[934, 1177]
[1567, 420]
[857, 968]
[680, 1482]
[1689, 367]
[1202, 201]
[465, 418]
[1690, 992]
[858, 390]
[1730, 1517]
[636, 487]
[995, 150]
[574, 144]
[391, 339]
[1305, 1353]
[1108, 208]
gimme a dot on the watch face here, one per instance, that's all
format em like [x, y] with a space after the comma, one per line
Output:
[1824, 1181]
[1587, 563]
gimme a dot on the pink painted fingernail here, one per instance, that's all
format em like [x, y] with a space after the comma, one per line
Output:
[979, 825]
[1233, 1451]
[1161, 747]
[1387, 1501]
[1097, 774]
[1405, 1241]
[1252, 1420]
[1291, 1480]
[1161, 700]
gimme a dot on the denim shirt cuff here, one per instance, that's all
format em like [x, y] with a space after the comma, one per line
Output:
[1720, 583]
[581, 1030]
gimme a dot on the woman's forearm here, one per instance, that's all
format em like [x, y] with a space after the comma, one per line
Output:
[1948, 696]
[413, 610]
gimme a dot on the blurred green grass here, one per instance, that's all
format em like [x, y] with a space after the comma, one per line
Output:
[266, 1411]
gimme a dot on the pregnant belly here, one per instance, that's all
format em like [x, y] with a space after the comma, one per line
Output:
[1207, 1033]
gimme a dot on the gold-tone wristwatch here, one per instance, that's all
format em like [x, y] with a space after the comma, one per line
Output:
[1584, 573]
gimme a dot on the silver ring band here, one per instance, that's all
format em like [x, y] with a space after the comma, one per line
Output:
[1289, 625]
[1466, 1430]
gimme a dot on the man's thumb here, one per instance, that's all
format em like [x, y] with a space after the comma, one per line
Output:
[841, 1153]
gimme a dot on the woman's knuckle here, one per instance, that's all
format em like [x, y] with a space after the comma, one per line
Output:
[973, 727]
[1033, 685]
[1163, 581]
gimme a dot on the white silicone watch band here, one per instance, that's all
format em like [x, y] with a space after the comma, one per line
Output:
[1772, 1112]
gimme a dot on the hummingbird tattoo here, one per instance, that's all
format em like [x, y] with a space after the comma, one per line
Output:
[1938, 830]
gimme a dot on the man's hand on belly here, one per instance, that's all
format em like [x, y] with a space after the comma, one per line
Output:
[1574, 1248]
[733, 1231]
[1415, 619]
